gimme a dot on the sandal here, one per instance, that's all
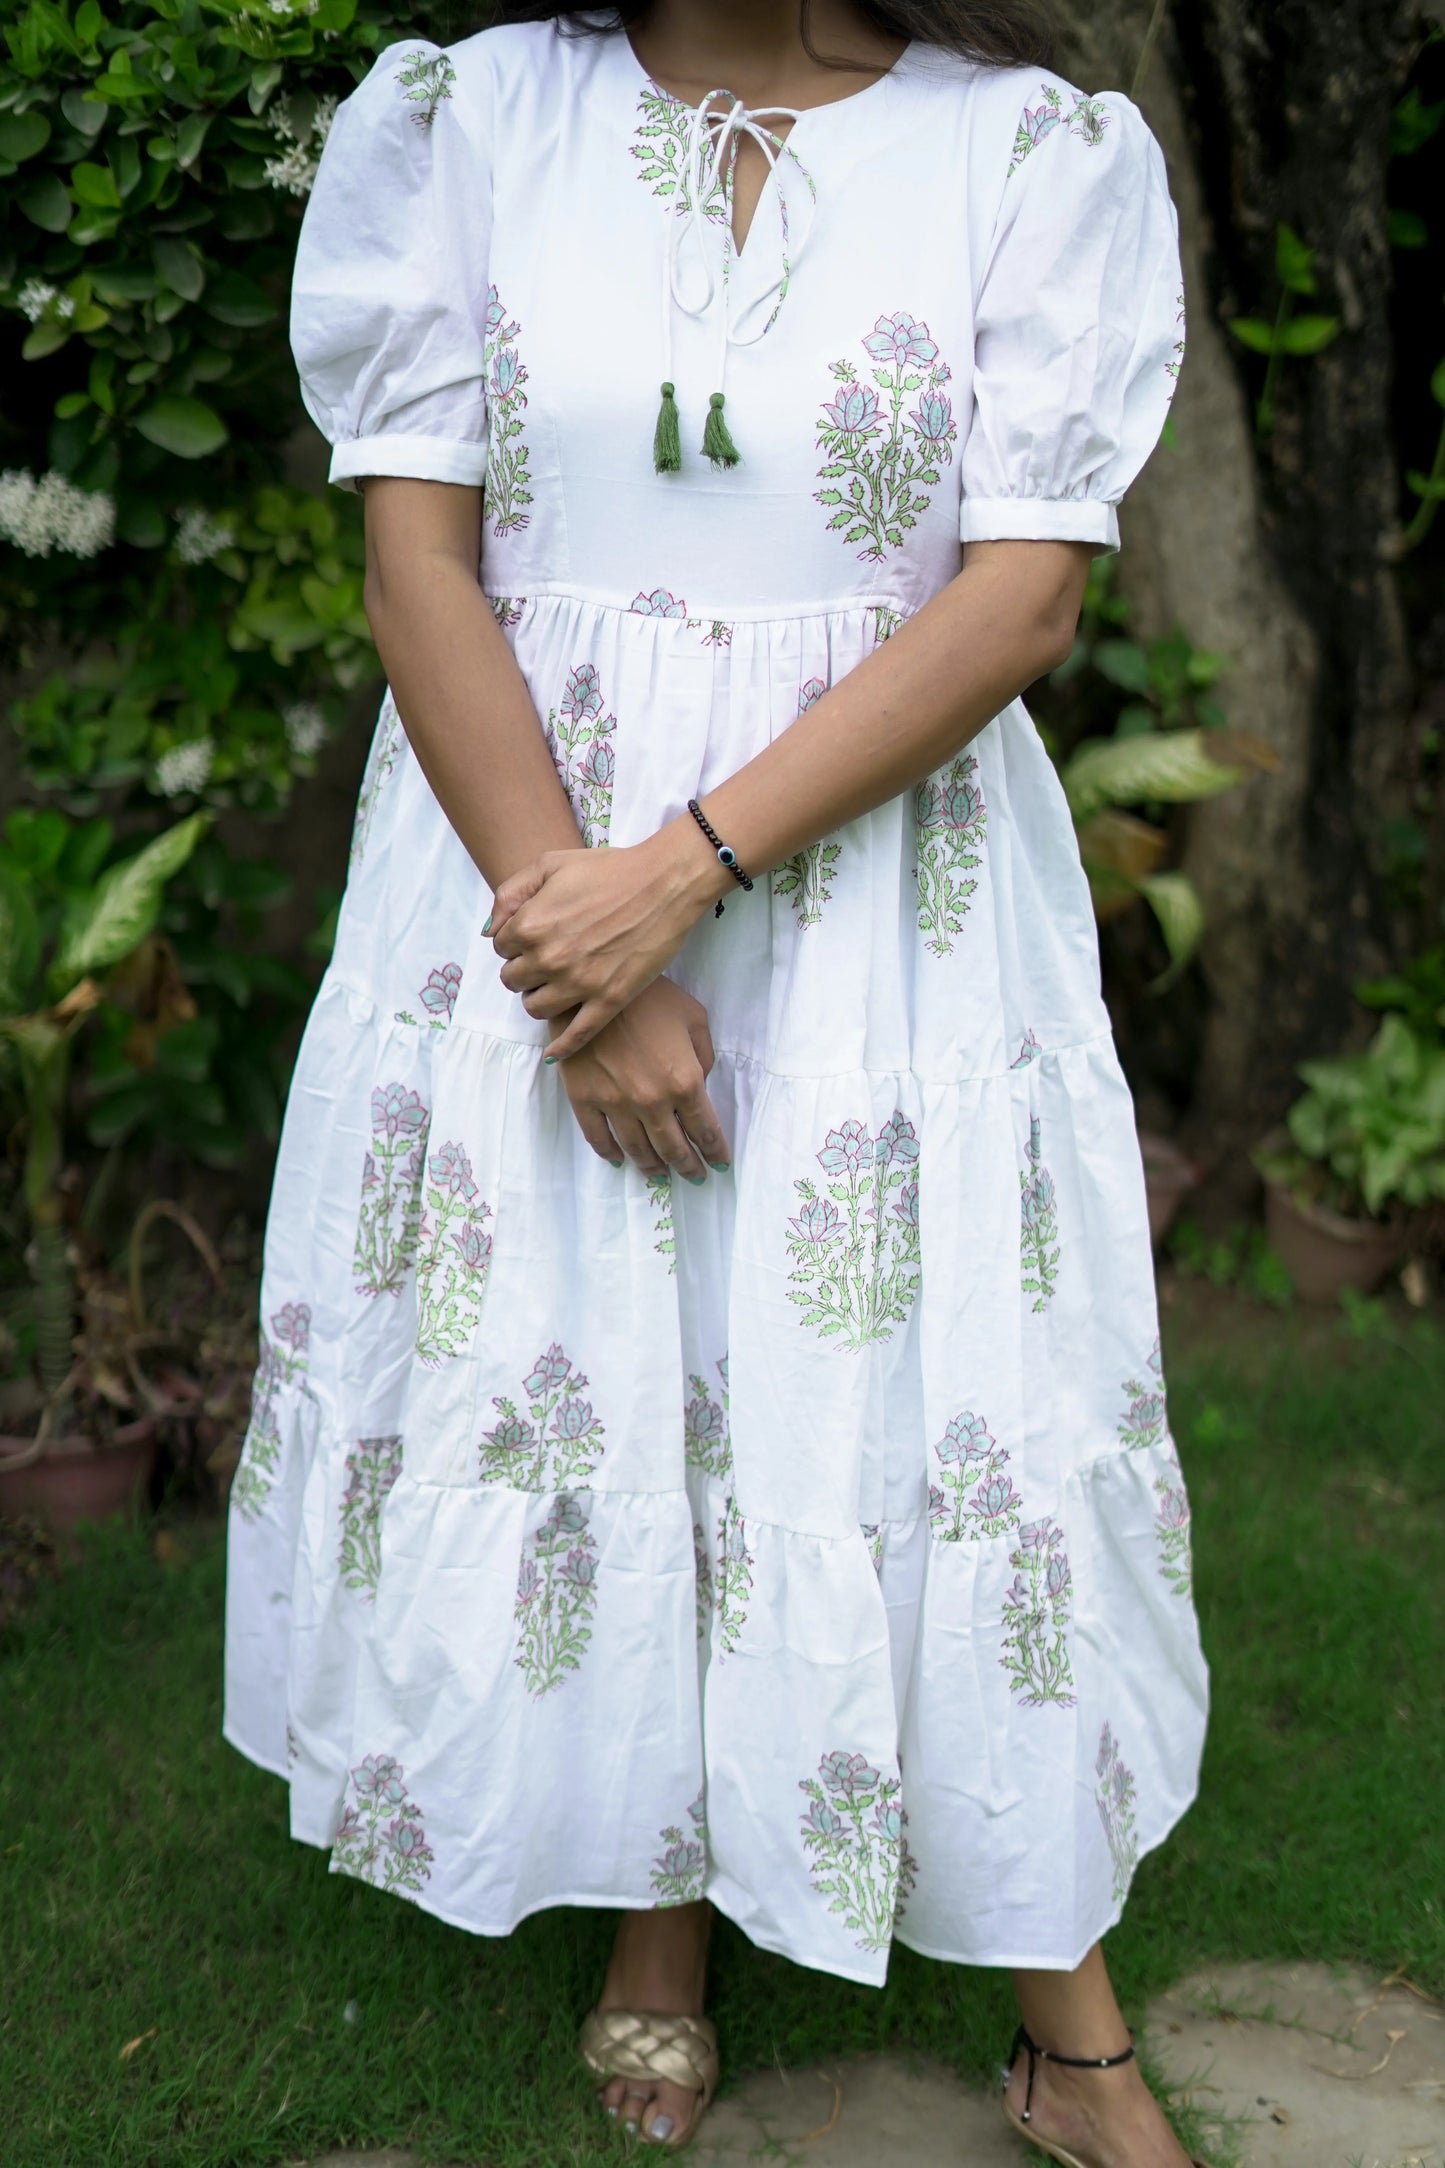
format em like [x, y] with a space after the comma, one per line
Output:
[644, 2044]
[1021, 2123]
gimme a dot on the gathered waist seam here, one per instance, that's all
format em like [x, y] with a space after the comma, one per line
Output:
[713, 612]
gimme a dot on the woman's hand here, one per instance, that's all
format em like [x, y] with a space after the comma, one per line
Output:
[588, 930]
[639, 1087]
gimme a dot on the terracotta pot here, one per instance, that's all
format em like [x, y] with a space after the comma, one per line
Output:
[1169, 1175]
[74, 1480]
[1323, 1252]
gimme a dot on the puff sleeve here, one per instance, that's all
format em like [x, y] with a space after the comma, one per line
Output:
[389, 297]
[1078, 325]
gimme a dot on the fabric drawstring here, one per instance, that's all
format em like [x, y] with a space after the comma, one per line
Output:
[712, 142]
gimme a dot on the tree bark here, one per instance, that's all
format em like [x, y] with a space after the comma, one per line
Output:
[1271, 110]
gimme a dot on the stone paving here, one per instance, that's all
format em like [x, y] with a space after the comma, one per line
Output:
[1302, 2066]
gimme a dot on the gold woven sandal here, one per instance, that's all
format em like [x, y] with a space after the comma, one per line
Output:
[644, 2044]
[1023, 2124]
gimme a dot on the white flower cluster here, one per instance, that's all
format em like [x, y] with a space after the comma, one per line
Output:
[35, 299]
[305, 728]
[295, 169]
[200, 538]
[293, 7]
[52, 514]
[184, 767]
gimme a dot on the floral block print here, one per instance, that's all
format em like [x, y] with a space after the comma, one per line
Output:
[556, 1597]
[705, 1428]
[1036, 1618]
[886, 622]
[1115, 1801]
[872, 1532]
[660, 141]
[1039, 1207]
[425, 81]
[855, 1836]
[951, 819]
[1145, 1421]
[556, 1443]
[579, 738]
[380, 760]
[1086, 119]
[1029, 1050]
[702, 1579]
[1171, 1527]
[507, 609]
[880, 460]
[856, 1269]
[380, 1837]
[506, 490]
[973, 1496]
[715, 633]
[660, 603]
[453, 1254]
[735, 1564]
[283, 1357]
[806, 879]
[1177, 362]
[659, 1189]
[438, 997]
[389, 1217]
[372, 1467]
[679, 1869]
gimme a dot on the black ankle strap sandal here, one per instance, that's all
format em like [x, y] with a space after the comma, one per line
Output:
[1023, 2123]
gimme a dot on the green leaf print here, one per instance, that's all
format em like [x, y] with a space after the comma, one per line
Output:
[372, 1467]
[556, 1597]
[579, 738]
[1039, 1232]
[557, 1443]
[282, 1363]
[888, 459]
[380, 1837]
[951, 820]
[1036, 1618]
[453, 1254]
[705, 1428]
[735, 1564]
[855, 1245]
[1115, 1800]
[659, 1189]
[680, 1868]
[389, 1214]
[855, 1836]
[506, 491]
[973, 1497]
[382, 757]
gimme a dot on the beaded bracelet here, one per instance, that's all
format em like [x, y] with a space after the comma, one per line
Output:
[725, 854]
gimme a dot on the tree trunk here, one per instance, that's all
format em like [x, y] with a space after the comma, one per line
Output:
[1271, 110]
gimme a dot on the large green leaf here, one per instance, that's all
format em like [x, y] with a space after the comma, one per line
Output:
[19, 942]
[184, 426]
[1174, 767]
[23, 134]
[1179, 908]
[123, 906]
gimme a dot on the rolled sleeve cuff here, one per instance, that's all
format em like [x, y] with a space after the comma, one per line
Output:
[1040, 519]
[417, 459]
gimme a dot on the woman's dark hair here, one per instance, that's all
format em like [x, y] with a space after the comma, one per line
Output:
[1003, 33]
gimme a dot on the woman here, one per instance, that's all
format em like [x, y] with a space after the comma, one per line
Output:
[708, 1448]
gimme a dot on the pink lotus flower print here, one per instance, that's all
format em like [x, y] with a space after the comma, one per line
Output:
[967, 1437]
[817, 1222]
[580, 1568]
[583, 697]
[292, 1325]
[395, 1111]
[951, 820]
[897, 1142]
[527, 1582]
[847, 1773]
[679, 1870]
[975, 1498]
[505, 365]
[899, 339]
[379, 1834]
[453, 1256]
[847, 1148]
[856, 1845]
[556, 1601]
[439, 995]
[1036, 1618]
[821, 1817]
[507, 492]
[497, 325]
[1115, 1800]
[599, 767]
[451, 1170]
[660, 603]
[996, 1498]
[854, 412]
[548, 1372]
[473, 1246]
[559, 1445]
[932, 418]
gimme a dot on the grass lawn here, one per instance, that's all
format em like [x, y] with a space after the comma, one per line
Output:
[148, 1889]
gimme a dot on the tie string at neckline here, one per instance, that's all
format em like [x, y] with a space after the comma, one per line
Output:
[709, 161]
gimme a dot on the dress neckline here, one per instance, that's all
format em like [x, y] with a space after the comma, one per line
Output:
[644, 81]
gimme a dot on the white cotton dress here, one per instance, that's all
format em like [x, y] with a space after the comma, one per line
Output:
[812, 1539]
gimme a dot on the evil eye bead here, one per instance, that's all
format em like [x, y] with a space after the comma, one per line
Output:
[727, 856]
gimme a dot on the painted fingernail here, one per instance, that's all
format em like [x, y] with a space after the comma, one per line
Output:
[720, 1166]
[549, 1059]
[696, 1180]
[661, 2127]
[617, 1162]
[488, 927]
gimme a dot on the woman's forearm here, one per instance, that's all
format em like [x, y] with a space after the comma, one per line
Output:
[463, 702]
[913, 704]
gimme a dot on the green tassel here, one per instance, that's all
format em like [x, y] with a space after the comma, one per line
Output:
[666, 438]
[717, 444]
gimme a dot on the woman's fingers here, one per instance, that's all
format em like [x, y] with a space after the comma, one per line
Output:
[668, 1141]
[636, 1143]
[591, 1017]
[698, 1116]
[517, 889]
[594, 1126]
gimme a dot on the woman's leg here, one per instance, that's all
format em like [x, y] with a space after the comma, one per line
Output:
[659, 1963]
[1108, 2117]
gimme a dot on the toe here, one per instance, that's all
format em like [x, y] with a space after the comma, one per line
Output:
[670, 2112]
[612, 2095]
[634, 2107]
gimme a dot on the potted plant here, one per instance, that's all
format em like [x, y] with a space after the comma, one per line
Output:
[68, 920]
[1360, 1162]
